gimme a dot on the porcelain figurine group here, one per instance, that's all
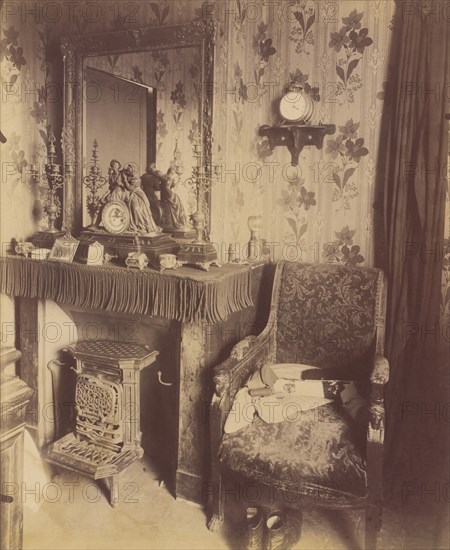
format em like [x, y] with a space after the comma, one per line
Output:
[125, 186]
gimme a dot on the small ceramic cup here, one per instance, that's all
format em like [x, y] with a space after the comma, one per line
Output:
[167, 261]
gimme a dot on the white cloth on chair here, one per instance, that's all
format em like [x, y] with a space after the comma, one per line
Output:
[277, 393]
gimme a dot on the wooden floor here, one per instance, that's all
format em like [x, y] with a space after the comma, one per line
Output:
[71, 513]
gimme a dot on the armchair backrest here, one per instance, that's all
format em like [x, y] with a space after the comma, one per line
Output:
[326, 315]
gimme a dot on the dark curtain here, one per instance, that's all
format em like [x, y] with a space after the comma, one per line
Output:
[411, 209]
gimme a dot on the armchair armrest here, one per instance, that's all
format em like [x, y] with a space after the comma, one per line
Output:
[380, 371]
[378, 378]
[248, 355]
[375, 431]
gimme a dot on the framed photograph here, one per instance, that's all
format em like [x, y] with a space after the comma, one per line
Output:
[64, 249]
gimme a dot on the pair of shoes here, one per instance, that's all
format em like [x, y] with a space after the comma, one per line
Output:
[255, 529]
[283, 530]
[280, 530]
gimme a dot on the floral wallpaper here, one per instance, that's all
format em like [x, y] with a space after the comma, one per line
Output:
[321, 210]
[338, 51]
[23, 123]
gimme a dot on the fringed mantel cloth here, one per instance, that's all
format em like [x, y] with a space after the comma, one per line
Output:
[187, 295]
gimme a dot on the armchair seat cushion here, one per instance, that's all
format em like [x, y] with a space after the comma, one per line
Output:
[322, 452]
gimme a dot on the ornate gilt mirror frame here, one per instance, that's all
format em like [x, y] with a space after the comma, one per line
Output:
[75, 49]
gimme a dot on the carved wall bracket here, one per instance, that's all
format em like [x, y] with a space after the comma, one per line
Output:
[295, 137]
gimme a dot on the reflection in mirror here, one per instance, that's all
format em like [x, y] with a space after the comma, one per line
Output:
[113, 106]
[143, 108]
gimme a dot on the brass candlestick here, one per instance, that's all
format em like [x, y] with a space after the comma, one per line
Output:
[93, 181]
[200, 252]
[52, 181]
[203, 176]
[48, 185]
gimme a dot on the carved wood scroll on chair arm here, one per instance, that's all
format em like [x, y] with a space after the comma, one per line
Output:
[380, 371]
[248, 355]
[378, 378]
[376, 409]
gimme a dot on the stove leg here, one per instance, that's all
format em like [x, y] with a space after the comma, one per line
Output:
[113, 482]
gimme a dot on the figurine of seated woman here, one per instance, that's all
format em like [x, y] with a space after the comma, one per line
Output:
[141, 219]
[173, 214]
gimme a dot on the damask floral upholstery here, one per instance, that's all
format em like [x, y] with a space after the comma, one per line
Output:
[326, 314]
[321, 451]
[330, 318]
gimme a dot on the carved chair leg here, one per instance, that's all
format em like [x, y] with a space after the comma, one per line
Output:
[217, 504]
[113, 482]
[372, 526]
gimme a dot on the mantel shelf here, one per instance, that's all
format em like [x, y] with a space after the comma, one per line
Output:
[296, 136]
[186, 295]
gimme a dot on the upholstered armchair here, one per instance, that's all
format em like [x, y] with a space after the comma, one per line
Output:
[329, 317]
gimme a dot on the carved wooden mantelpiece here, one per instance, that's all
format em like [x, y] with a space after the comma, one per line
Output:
[199, 34]
[175, 394]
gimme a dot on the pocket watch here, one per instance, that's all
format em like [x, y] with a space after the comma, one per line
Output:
[296, 106]
[116, 217]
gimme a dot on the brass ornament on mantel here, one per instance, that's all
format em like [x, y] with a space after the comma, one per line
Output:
[68, 147]
[53, 180]
[94, 181]
[200, 252]
[50, 183]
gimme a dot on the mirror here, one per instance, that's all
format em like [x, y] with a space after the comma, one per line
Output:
[115, 107]
[143, 96]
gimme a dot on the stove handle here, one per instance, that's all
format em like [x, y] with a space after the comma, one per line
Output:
[161, 382]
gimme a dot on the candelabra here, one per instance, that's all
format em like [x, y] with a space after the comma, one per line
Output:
[200, 252]
[51, 181]
[33, 182]
[94, 181]
[203, 176]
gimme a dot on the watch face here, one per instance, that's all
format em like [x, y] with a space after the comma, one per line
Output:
[116, 217]
[296, 106]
